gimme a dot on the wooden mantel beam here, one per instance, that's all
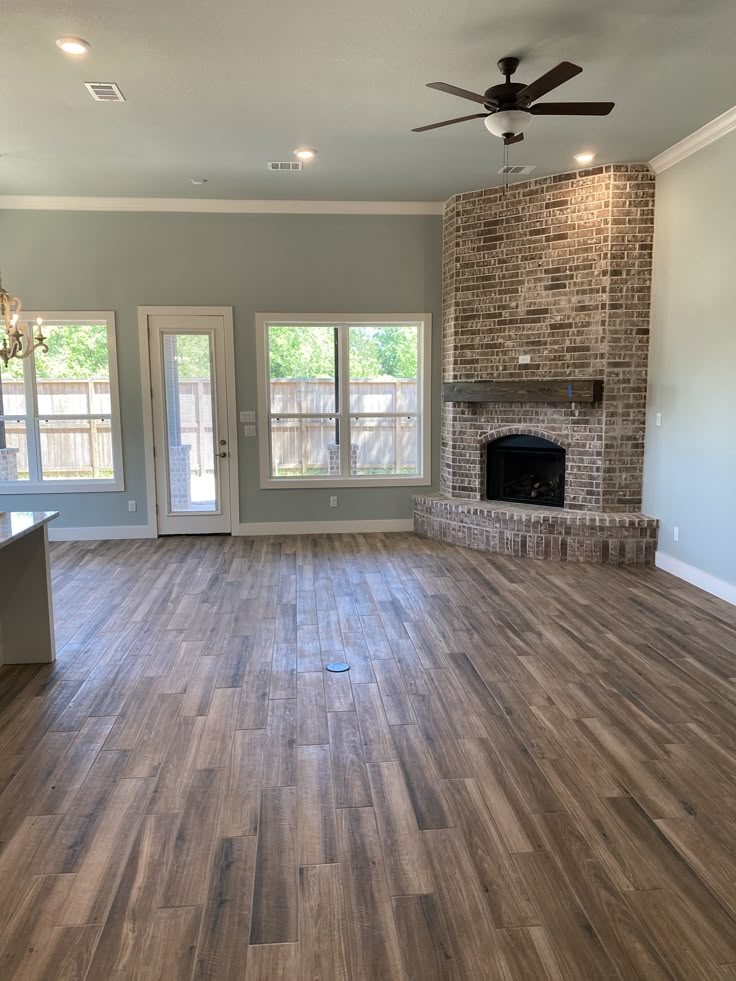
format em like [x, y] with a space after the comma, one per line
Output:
[527, 390]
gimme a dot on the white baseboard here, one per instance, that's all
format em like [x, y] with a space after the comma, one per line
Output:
[321, 527]
[690, 573]
[100, 534]
[248, 528]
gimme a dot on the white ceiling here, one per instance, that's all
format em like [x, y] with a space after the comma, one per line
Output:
[217, 89]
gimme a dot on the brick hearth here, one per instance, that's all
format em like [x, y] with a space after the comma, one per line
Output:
[558, 269]
[538, 532]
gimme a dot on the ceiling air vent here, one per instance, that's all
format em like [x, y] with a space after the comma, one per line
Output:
[104, 91]
[285, 165]
[518, 169]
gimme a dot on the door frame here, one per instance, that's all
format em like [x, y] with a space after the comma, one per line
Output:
[147, 401]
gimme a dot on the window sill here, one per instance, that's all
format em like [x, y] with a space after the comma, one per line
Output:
[287, 483]
[21, 487]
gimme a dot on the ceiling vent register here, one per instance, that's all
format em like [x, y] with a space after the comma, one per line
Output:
[518, 169]
[104, 91]
[285, 165]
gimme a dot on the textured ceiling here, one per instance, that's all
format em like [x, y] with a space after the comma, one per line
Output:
[217, 89]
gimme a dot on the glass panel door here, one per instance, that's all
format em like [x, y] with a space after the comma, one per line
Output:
[190, 424]
[190, 434]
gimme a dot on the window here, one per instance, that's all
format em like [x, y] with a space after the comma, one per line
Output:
[343, 400]
[59, 413]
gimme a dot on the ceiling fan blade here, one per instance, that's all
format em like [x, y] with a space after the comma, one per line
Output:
[449, 122]
[571, 108]
[508, 140]
[550, 80]
[454, 90]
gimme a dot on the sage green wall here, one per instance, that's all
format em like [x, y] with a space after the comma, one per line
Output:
[690, 464]
[285, 263]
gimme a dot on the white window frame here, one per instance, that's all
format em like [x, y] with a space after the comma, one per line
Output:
[423, 413]
[36, 484]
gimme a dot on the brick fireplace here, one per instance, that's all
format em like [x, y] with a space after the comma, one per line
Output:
[556, 271]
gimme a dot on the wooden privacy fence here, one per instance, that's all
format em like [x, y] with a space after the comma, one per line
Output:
[383, 444]
[84, 446]
[74, 445]
[195, 419]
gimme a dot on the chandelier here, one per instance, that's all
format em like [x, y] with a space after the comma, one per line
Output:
[18, 341]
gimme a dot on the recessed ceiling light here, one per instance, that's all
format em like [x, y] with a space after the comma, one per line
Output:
[305, 153]
[199, 180]
[585, 158]
[72, 45]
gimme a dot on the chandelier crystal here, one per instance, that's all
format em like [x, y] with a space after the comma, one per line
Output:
[18, 341]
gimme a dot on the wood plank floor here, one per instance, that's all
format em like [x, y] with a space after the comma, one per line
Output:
[527, 774]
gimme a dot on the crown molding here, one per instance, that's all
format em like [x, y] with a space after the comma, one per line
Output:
[224, 206]
[712, 131]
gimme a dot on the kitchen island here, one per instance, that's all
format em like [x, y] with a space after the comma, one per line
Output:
[26, 611]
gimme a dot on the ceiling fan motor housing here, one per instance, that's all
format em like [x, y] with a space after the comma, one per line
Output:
[505, 96]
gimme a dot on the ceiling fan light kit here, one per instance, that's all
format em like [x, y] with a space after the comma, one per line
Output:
[507, 122]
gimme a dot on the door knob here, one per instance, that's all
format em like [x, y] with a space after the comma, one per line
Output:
[224, 453]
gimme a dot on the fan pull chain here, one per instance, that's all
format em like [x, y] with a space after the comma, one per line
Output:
[505, 168]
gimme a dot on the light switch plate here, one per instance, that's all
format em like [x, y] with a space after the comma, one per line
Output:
[525, 358]
[249, 415]
[249, 429]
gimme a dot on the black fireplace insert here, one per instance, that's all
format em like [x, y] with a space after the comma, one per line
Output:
[526, 470]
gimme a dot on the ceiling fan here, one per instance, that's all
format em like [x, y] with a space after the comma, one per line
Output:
[511, 105]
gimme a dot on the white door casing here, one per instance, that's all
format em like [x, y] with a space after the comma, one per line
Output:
[191, 449]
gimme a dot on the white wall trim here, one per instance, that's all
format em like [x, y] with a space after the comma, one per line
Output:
[147, 408]
[697, 577]
[249, 528]
[712, 131]
[101, 534]
[231, 398]
[32, 202]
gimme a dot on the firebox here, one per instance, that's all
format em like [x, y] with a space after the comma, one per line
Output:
[526, 470]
